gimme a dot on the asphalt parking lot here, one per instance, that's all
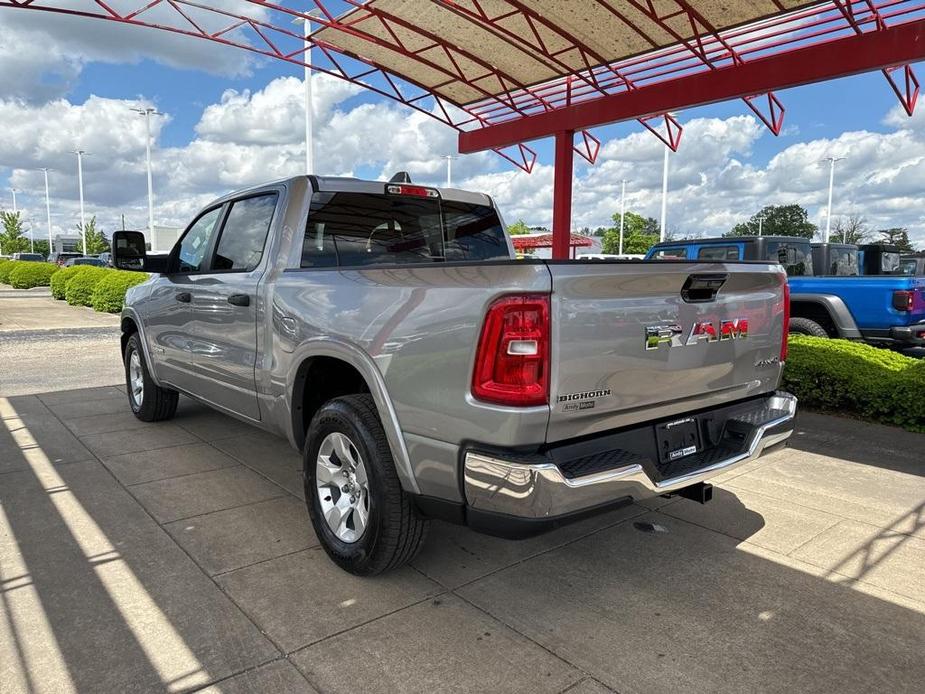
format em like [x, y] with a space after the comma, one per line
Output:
[178, 556]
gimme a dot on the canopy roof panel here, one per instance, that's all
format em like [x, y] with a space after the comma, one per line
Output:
[525, 44]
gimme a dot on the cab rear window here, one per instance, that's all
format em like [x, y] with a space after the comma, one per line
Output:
[676, 253]
[718, 253]
[356, 229]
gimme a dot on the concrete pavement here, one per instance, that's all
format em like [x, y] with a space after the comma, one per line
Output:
[175, 556]
[178, 556]
[46, 344]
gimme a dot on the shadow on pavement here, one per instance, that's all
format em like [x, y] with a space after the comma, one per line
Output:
[96, 596]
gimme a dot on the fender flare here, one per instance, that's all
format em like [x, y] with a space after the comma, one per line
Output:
[364, 364]
[129, 313]
[837, 310]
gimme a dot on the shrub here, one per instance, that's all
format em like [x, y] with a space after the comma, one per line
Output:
[852, 378]
[80, 287]
[28, 275]
[109, 294]
[60, 279]
[6, 267]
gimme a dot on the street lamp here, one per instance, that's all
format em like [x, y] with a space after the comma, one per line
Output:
[13, 191]
[309, 111]
[828, 213]
[661, 235]
[622, 211]
[760, 223]
[449, 169]
[80, 188]
[146, 112]
[47, 211]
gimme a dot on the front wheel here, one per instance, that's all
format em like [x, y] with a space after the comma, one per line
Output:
[149, 402]
[365, 521]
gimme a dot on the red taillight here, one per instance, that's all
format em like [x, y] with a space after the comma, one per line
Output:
[903, 300]
[512, 358]
[416, 191]
[785, 337]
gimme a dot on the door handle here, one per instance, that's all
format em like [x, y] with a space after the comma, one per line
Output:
[185, 297]
[239, 300]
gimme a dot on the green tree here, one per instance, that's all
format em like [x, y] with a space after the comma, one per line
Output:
[778, 220]
[41, 246]
[851, 229]
[518, 228]
[639, 234]
[12, 238]
[96, 240]
[897, 236]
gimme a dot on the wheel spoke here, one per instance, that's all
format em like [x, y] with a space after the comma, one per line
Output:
[342, 448]
[326, 472]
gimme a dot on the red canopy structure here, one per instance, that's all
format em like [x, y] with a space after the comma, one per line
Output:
[505, 72]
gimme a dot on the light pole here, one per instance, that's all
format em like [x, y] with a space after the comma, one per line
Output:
[760, 223]
[146, 112]
[80, 188]
[449, 169]
[13, 191]
[622, 212]
[828, 212]
[661, 231]
[47, 211]
[309, 111]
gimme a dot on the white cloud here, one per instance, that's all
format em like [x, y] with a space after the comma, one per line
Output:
[251, 137]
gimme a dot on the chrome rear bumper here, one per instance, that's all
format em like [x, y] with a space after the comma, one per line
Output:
[541, 491]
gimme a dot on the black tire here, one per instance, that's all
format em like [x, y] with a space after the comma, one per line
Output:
[394, 531]
[157, 404]
[805, 326]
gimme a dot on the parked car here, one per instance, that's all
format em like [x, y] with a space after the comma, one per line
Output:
[424, 372]
[836, 260]
[879, 259]
[85, 260]
[887, 310]
[106, 257]
[30, 257]
[59, 258]
[912, 265]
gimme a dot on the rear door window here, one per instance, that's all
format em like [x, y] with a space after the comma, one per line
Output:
[797, 258]
[718, 253]
[677, 253]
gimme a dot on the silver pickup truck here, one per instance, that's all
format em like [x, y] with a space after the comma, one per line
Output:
[388, 331]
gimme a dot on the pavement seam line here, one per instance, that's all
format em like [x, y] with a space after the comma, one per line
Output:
[229, 508]
[642, 511]
[180, 547]
[227, 572]
[583, 674]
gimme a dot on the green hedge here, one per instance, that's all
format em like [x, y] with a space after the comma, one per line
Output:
[80, 287]
[109, 294]
[6, 267]
[855, 379]
[60, 279]
[28, 275]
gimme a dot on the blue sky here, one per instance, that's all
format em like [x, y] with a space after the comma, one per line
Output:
[81, 85]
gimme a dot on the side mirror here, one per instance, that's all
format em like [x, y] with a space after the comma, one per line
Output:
[128, 250]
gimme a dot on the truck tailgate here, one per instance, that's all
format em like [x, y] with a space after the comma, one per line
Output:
[604, 372]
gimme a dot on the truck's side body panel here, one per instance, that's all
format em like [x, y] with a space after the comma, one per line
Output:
[868, 297]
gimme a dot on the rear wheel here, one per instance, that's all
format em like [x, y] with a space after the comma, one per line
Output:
[805, 326]
[365, 521]
[149, 402]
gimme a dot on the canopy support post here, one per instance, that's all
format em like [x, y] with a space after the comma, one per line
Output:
[562, 195]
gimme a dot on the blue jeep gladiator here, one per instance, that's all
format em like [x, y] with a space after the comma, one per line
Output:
[885, 309]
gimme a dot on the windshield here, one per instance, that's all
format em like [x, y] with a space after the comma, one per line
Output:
[796, 257]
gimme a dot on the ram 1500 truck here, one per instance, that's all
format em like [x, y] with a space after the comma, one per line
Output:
[388, 332]
[882, 309]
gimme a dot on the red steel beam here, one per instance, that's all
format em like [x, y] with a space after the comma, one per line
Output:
[840, 57]
[562, 195]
